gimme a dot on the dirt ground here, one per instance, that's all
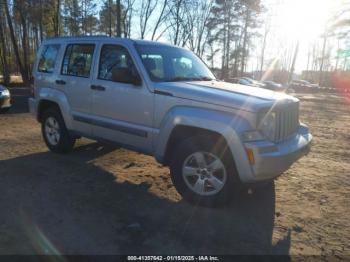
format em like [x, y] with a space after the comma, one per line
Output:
[105, 200]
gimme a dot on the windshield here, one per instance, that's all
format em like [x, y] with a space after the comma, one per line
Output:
[171, 64]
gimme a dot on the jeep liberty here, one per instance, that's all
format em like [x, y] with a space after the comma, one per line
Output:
[163, 101]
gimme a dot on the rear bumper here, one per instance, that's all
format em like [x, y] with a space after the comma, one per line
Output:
[5, 102]
[32, 103]
[271, 160]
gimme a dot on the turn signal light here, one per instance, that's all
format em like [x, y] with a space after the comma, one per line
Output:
[250, 155]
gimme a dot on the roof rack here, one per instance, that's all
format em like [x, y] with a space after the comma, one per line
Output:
[78, 36]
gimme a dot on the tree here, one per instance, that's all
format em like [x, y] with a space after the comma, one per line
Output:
[127, 16]
[72, 17]
[199, 14]
[161, 18]
[3, 48]
[23, 70]
[108, 22]
[119, 19]
[88, 19]
[145, 13]
[233, 25]
[179, 22]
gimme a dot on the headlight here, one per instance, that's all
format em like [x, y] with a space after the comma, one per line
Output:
[5, 93]
[267, 124]
[250, 136]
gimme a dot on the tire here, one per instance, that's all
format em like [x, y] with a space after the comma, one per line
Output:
[204, 177]
[55, 133]
[4, 110]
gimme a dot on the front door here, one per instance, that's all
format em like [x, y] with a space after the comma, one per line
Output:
[122, 111]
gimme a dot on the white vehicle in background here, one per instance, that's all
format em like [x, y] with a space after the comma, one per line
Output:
[5, 99]
[253, 82]
[162, 100]
[274, 86]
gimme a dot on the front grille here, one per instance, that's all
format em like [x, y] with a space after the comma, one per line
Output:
[287, 121]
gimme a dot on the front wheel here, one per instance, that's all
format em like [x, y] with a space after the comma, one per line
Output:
[203, 171]
[55, 133]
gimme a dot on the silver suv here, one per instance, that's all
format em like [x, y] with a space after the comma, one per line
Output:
[162, 100]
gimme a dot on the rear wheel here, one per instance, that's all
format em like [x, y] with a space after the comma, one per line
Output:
[203, 171]
[55, 133]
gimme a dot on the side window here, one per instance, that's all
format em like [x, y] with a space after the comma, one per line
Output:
[48, 57]
[115, 59]
[77, 60]
[154, 66]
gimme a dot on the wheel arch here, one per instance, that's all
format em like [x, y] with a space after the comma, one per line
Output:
[182, 132]
[56, 98]
[183, 122]
[45, 104]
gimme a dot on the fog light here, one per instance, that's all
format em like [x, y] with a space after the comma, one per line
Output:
[250, 155]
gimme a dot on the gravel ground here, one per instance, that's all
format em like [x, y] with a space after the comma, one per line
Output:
[106, 200]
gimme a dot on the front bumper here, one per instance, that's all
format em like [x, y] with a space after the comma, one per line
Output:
[271, 159]
[5, 102]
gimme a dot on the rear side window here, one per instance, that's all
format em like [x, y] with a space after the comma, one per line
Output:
[48, 57]
[77, 60]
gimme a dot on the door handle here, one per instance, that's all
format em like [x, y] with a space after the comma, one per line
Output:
[60, 82]
[97, 87]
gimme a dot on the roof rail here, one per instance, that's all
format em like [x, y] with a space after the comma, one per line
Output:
[78, 36]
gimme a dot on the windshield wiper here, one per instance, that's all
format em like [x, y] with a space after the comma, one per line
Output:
[182, 78]
[205, 78]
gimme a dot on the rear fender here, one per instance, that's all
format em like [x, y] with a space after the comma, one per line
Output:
[58, 97]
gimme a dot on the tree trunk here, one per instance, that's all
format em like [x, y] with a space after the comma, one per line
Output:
[160, 18]
[263, 54]
[224, 50]
[228, 44]
[293, 62]
[25, 45]
[15, 46]
[245, 39]
[110, 17]
[119, 25]
[57, 18]
[41, 21]
[4, 62]
[322, 59]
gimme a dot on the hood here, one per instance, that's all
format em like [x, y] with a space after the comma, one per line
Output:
[226, 94]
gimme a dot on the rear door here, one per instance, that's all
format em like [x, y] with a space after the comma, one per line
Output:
[75, 76]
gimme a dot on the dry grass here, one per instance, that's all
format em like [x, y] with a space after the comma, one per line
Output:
[105, 200]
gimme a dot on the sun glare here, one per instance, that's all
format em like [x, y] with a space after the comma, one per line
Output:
[303, 19]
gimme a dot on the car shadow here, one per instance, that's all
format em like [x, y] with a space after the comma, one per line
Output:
[65, 204]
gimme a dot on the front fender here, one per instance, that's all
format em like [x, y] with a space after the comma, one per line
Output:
[58, 97]
[229, 125]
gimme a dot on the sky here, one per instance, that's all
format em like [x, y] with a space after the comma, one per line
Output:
[298, 20]
[290, 21]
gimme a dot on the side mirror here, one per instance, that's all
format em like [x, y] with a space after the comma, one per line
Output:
[125, 75]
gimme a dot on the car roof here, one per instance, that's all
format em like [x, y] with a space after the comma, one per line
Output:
[70, 39]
